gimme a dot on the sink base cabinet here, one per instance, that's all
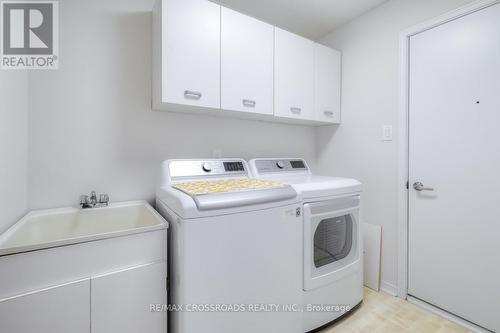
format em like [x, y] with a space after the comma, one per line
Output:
[60, 309]
[101, 286]
[122, 301]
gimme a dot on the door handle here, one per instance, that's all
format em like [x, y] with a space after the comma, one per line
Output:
[328, 113]
[295, 110]
[418, 186]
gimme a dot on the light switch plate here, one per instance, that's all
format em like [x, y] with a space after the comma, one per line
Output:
[387, 133]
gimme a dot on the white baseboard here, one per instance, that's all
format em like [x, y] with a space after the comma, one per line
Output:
[446, 315]
[388, 288]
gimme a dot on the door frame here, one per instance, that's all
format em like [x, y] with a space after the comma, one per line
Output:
[403, 137]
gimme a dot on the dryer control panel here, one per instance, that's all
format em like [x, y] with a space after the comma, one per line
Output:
[280, 165]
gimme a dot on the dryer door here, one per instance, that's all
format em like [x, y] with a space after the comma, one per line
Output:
[331, 244]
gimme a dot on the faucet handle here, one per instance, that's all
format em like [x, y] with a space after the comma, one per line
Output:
[104, 199]
[84, 200]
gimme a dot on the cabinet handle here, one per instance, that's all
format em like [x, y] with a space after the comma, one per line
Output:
[328, 113]
[192, 94]
[249, 103]
[295, 110]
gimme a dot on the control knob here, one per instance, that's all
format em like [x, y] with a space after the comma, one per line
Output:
[280, 164]
[206, 167]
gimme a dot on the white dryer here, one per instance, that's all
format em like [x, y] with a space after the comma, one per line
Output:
[332, 274]
[235, 246]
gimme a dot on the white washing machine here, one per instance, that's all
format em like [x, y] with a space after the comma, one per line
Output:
[235, 247]
[332, 274]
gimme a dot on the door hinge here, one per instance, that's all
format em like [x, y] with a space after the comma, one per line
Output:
[167, 284]
[407, 185]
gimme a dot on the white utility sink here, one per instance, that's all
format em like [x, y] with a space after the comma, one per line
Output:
[64, 226]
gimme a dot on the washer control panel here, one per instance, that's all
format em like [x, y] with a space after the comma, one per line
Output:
[280, 165]
[207, 168]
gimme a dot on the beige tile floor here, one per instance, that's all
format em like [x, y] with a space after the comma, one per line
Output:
[382, 313]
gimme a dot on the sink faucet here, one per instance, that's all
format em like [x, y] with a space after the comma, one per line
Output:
[92, 202]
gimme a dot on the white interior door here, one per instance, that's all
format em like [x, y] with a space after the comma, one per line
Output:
[454, 148]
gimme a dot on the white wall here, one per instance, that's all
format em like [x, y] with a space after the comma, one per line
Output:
[91, 124]
[370, 87]
[13, 146]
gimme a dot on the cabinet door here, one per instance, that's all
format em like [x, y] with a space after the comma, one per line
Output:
[327, 84]
[59, 309]
[294, 76]
[247, 63]
[191, 53]
[121, 301]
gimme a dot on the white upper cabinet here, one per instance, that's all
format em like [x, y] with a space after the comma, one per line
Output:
[190, 52]
[293, 76]
[214, 60]
[247, 63]
[327, 84]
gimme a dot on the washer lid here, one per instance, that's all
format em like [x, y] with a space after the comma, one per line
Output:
[193, 188]
[243, 198]
[191, 206]
[229, 193]
[203, 188]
